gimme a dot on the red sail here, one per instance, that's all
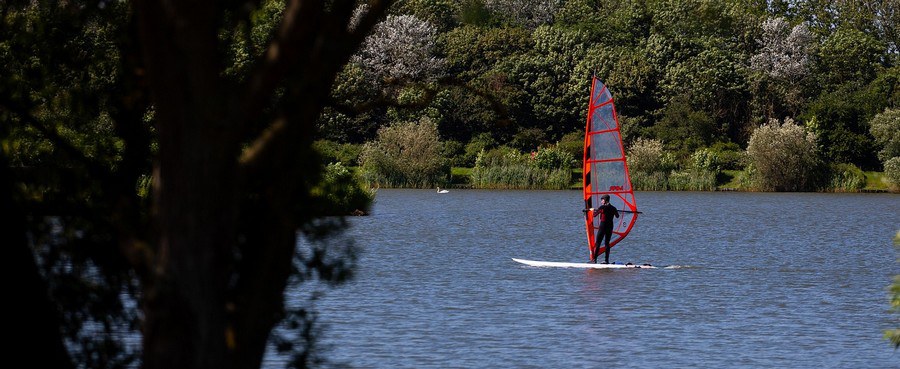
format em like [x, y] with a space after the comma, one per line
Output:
[605, 168]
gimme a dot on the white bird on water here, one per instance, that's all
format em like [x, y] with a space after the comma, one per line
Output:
[439, 190]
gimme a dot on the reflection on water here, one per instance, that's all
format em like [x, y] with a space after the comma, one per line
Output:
[758, 280]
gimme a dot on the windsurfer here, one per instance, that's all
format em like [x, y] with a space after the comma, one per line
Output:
[606, 211]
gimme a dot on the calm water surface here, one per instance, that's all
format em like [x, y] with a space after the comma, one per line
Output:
[755, 280]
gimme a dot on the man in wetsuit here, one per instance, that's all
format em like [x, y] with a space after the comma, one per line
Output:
[604, 232]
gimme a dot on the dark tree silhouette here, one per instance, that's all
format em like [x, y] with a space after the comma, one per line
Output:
[208, 254]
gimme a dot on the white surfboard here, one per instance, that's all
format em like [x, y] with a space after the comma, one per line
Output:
[557, 264]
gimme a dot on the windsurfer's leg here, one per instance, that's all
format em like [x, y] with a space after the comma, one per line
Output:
[607, 254]
[607, 234]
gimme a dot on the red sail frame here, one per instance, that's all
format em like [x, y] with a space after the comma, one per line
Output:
[605, 170]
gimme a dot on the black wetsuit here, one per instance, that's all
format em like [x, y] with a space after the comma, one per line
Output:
[604, 231]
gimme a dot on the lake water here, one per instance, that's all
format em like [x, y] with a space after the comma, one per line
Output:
[754, 280]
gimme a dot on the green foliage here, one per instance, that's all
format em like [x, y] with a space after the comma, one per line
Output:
[682, 72]
[892, 173]
[683, 128]
[849, 55]
[248, 40]
[441, 13]
[500, 156]
[846, 178]
[344, 153]
[650, 181]
[528, 139]
[705, 159]
[405, 155]
[482, 141]
[841, 125]
[454, 152]
[784, 157]
[728, 156]
[473, 12]
[553, 158]
[885, 128]
[894, 334]
[547, 94]
[692, 180]
[69, 174]
[649, 165]
[719, 157]
[343, 124]
[340, 192]
[649, 156]
[573, 144]
[506, 168]
[473, 51]
[461, 115]
[521, 176]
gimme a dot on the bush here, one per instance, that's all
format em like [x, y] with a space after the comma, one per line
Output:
[553, 158]
[705, 159]
[648, 156]
[728, 156]
[528, 139]
[885, 128]
[784, 157]
[649, 165]
[573, 144]
[482, 141]
[405, 155]
[847, 178]
[501, 156]
[892, 172]
[341, 193]
[454, 153]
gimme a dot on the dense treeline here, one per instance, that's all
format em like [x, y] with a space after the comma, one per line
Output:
[157, 171]
[691, 74]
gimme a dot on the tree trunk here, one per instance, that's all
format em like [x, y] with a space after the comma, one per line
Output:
[194, 188]
[216, 285]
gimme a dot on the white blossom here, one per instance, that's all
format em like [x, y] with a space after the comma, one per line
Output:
[400, 48]
[785, 52]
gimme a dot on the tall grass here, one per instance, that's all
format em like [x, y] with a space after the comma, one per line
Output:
[520, 176]
[649, 181]
[506, 168]
[846, 178]
[689, 180]
[692, 180]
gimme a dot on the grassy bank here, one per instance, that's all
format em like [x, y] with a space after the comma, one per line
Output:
[876, 181]
[727, 180]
